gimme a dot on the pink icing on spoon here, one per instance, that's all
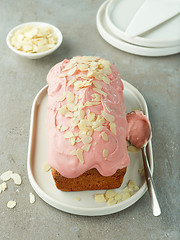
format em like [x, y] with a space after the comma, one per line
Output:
[139, 129]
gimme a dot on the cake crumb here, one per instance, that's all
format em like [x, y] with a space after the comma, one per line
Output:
[141, 172]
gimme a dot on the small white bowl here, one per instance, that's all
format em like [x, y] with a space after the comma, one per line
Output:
[57, 32]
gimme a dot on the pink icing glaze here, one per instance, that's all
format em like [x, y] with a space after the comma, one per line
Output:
[59, 156]
[139, 129]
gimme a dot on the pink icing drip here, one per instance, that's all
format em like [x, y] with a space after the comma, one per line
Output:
[59, 156]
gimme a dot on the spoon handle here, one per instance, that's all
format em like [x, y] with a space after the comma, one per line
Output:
[150, 183]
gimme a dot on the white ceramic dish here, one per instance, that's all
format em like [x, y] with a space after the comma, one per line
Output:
[43, 183]
[35, 55]
[112, 39]
[119, 14]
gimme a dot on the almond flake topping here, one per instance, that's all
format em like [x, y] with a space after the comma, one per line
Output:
[79, 153]
[104, 136]
[100, 92]
[105, 153]
[107, 116]
[113, 128]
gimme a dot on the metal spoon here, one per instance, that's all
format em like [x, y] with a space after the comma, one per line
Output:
[139, 123]
[150, 184]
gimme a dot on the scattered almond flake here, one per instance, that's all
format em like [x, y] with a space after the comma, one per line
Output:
[70, 97]
[73, 153]
[63, 110]
[16, 178]
[72, 71]
[78, 140]
[99, 129]
[86, 147]
[3, 187]
[99, 121]
[77, 199]
[83, 67]
[87, 139]
[141, 172]
[105, 153]
[61, 98]
[111, 202]
[100, 92]
[113, 128]
[104, 136]
[68, 134]
[69, 115]
[79, 153]
[64, 128]
[107, 116]
[32, 198]
[132, 148]
[99, 198]
[6, 175]
[108, 109]
[97, 85]
[11, 204]
[46, 167]
[59, 126]
[110, 194]
[72, 140]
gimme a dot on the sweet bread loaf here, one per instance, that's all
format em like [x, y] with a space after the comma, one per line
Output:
[86, 124]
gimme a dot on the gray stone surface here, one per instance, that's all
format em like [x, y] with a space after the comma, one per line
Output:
[20, 79]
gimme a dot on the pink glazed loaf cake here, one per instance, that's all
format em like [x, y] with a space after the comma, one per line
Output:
[86, 125]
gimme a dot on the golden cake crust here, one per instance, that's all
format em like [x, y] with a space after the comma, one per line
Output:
[90, 180]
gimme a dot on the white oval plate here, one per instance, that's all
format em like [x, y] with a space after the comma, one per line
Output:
[43, 183]
[112, 39]
[118, 15]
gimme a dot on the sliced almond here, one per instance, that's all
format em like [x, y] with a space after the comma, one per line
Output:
[100, 92]
[72, 71]
[79, 153]
[63, 110]
[71, 107]
[97, 85]
[70, 97]
[6, 175]
[87, 139]
[68, 134]
[105, 153]
[11, 204]
[73, 152]
[86, 147]
[71, 82]
[72, 141]
[109, 110]
[107, 116]
[61, 98]
[91, 116]
[64, 128]
[16, 178]
[46, 167]
[69, 115]
[110, 194]
[32, 198]
[113, 128]
[99, 129]
[99, 198]
[81, 114]
[104, 136]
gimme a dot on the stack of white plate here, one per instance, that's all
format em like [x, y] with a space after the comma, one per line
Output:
[141, 27]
